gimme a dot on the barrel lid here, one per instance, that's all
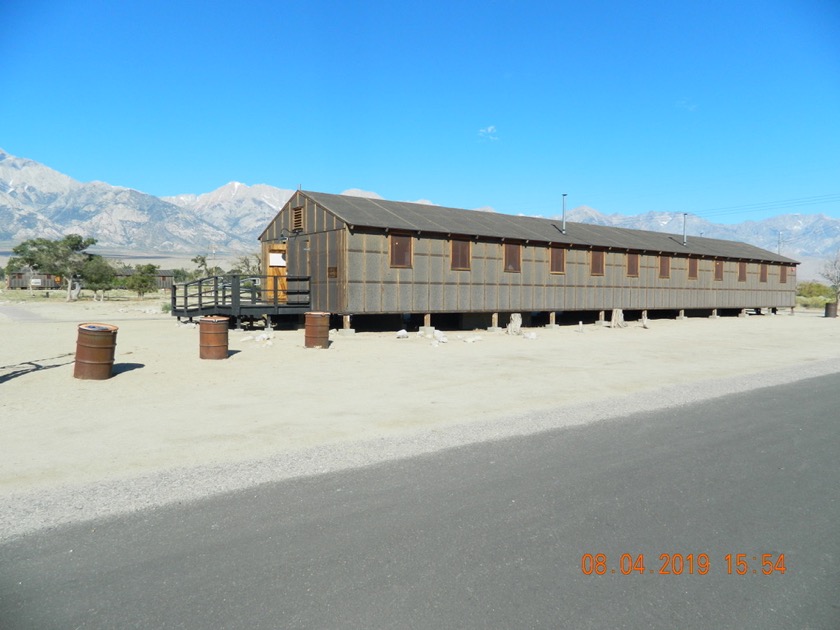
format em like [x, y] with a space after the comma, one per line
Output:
[97, 327]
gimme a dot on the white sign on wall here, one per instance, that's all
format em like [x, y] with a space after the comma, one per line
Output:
[275, 259]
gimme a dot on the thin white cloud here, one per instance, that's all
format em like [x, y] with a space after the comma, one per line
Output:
[358, 192]
[488, 133]
[687, 104]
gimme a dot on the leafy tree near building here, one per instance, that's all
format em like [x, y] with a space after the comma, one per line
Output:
[98, 276]
[143, 280]
[65, 257]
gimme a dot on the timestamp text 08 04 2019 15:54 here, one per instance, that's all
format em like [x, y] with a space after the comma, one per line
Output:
[683, 564]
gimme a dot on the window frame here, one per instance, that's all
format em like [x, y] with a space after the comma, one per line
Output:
[393, 242]
[508, 250]
[600, 255]
[556, 252]
[636, 258]
[664, 267]
[693, 268]
[460, 242]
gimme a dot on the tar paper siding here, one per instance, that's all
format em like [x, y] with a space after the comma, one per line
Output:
[317, 251]
[351, 273]
[430, 285]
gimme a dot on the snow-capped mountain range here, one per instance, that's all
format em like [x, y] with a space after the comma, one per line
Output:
[37, 201]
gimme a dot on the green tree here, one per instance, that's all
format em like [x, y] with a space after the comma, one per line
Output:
[98, 275]
[65, 257]
[143, 280]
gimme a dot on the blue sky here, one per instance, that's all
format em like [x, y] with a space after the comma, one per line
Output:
[729, 110]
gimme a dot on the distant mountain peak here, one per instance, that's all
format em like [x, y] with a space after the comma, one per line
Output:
[36, 200]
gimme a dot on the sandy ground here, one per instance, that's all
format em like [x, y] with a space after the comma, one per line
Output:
[275, 401]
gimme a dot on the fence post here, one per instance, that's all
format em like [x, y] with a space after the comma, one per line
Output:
[234, 296]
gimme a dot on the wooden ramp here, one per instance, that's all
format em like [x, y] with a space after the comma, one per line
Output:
[241, 297]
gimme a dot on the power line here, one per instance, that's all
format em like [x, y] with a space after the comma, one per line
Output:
[769, 205]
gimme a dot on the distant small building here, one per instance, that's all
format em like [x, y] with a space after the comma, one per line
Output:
[371, 256]
[164, 278]
[26, 279]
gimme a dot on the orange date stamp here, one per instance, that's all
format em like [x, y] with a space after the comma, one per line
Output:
[682, 564]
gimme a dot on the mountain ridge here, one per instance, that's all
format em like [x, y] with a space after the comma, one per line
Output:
[38, 201]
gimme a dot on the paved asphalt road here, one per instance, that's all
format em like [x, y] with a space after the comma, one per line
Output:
[485, 536]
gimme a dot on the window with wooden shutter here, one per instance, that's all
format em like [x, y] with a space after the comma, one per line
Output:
[692, 268]
[664, 266]
[718, 270]
[513, 257]
[742, 272]
[632, 265]
[558, 259]
[783, 274]
[400, 250]
[460, 255]
[596, 263]
[763, 273]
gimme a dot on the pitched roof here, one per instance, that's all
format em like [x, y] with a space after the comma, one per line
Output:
[417, 217]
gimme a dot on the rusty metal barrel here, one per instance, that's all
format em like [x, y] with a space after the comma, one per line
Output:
[831, 309]
[95, 346]
[213, 337]
[317, 333]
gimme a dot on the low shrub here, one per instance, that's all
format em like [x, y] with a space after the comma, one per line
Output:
[817, 301]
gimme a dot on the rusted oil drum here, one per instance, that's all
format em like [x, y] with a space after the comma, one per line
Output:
[95, 347]
[213, 337]
[317, 330]
[831, 309]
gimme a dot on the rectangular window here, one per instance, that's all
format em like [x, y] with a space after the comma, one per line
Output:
[460, 255]
[513, 260]
[596, 263]
[692, 269]
[763, 273]
[558, 260]
[783, 274]
[400, 250]
[742, 272]
[297, 219]
[718, 270]
[632, 265]
[664, 266]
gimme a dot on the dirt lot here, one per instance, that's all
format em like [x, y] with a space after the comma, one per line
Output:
[273, 399]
